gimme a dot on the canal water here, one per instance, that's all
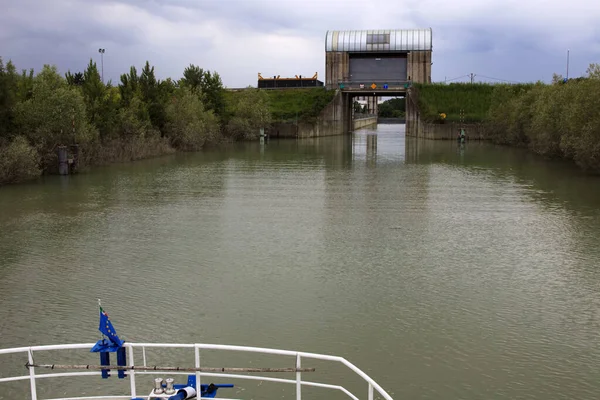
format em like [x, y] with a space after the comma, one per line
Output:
[443, 271]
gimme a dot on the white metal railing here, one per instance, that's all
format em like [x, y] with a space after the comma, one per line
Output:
[131, 374]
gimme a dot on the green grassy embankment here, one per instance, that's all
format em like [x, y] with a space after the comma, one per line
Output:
[554, 120]
[288, 104]
[304, 104]
[473, 99]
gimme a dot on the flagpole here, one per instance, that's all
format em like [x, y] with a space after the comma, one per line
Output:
[100, 308]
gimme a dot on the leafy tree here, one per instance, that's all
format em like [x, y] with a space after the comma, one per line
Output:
[154, 95]
[169, 86]
[193, 78]
[46, 119]
[250, 112]
[9, 83]
[134, 120]
[212, 91]
[557, 79]
[25, 86]
[208, 86]
[18, 161]
[47, 80]
[189, 125]
[593, 71]
[129, 86]
[148, 83]
[93, 92]
[392, 108]
[101, 101]
[76, 79]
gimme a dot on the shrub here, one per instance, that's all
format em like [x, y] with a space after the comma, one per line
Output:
[18, 161]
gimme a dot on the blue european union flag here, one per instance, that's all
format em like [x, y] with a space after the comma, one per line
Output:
[107, 329]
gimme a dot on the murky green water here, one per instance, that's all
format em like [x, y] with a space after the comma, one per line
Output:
[443, 272]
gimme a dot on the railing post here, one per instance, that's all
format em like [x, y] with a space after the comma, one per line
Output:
[32, 376]
[132, 373]
[198, 386]
[370, 391]
[298, 378]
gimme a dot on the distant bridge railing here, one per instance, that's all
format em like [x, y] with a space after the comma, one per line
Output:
[378, 85]
[357, 115]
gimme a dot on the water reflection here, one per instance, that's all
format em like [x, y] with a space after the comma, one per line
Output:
[444, 270]
[380, 146]
[558, 182]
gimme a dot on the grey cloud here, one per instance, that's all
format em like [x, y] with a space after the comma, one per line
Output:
[69, 43]
[33, 33]
[80, 36]
[522, 66]
[239, 12]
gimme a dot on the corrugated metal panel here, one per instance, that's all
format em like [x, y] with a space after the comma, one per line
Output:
[379, 40]
[328, 41]
[365, 70]
[392, 41]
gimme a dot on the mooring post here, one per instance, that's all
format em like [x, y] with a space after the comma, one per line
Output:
[75, 156]
[462, 125]
[63, 163]
[74, 146]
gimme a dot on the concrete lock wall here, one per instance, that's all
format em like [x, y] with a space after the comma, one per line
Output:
[334, 119]
[419, 66]
[446, 131]
[337, 68]
[412, 113]
[436, 131]
[364, 122]
[449, 131]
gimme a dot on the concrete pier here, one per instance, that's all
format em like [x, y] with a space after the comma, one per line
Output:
[366, 122]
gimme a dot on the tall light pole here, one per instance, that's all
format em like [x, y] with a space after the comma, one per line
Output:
[568, 64]
[101, 51]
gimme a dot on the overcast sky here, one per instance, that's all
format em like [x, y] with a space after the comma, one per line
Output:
[517, 40]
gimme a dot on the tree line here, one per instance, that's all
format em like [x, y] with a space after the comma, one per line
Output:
[560, 120]
[141, 116]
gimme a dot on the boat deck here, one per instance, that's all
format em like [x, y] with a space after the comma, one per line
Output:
[195, 374]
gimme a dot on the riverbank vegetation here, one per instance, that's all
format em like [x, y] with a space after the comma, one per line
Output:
[392, 108]
[557, 120]
[142, 116]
